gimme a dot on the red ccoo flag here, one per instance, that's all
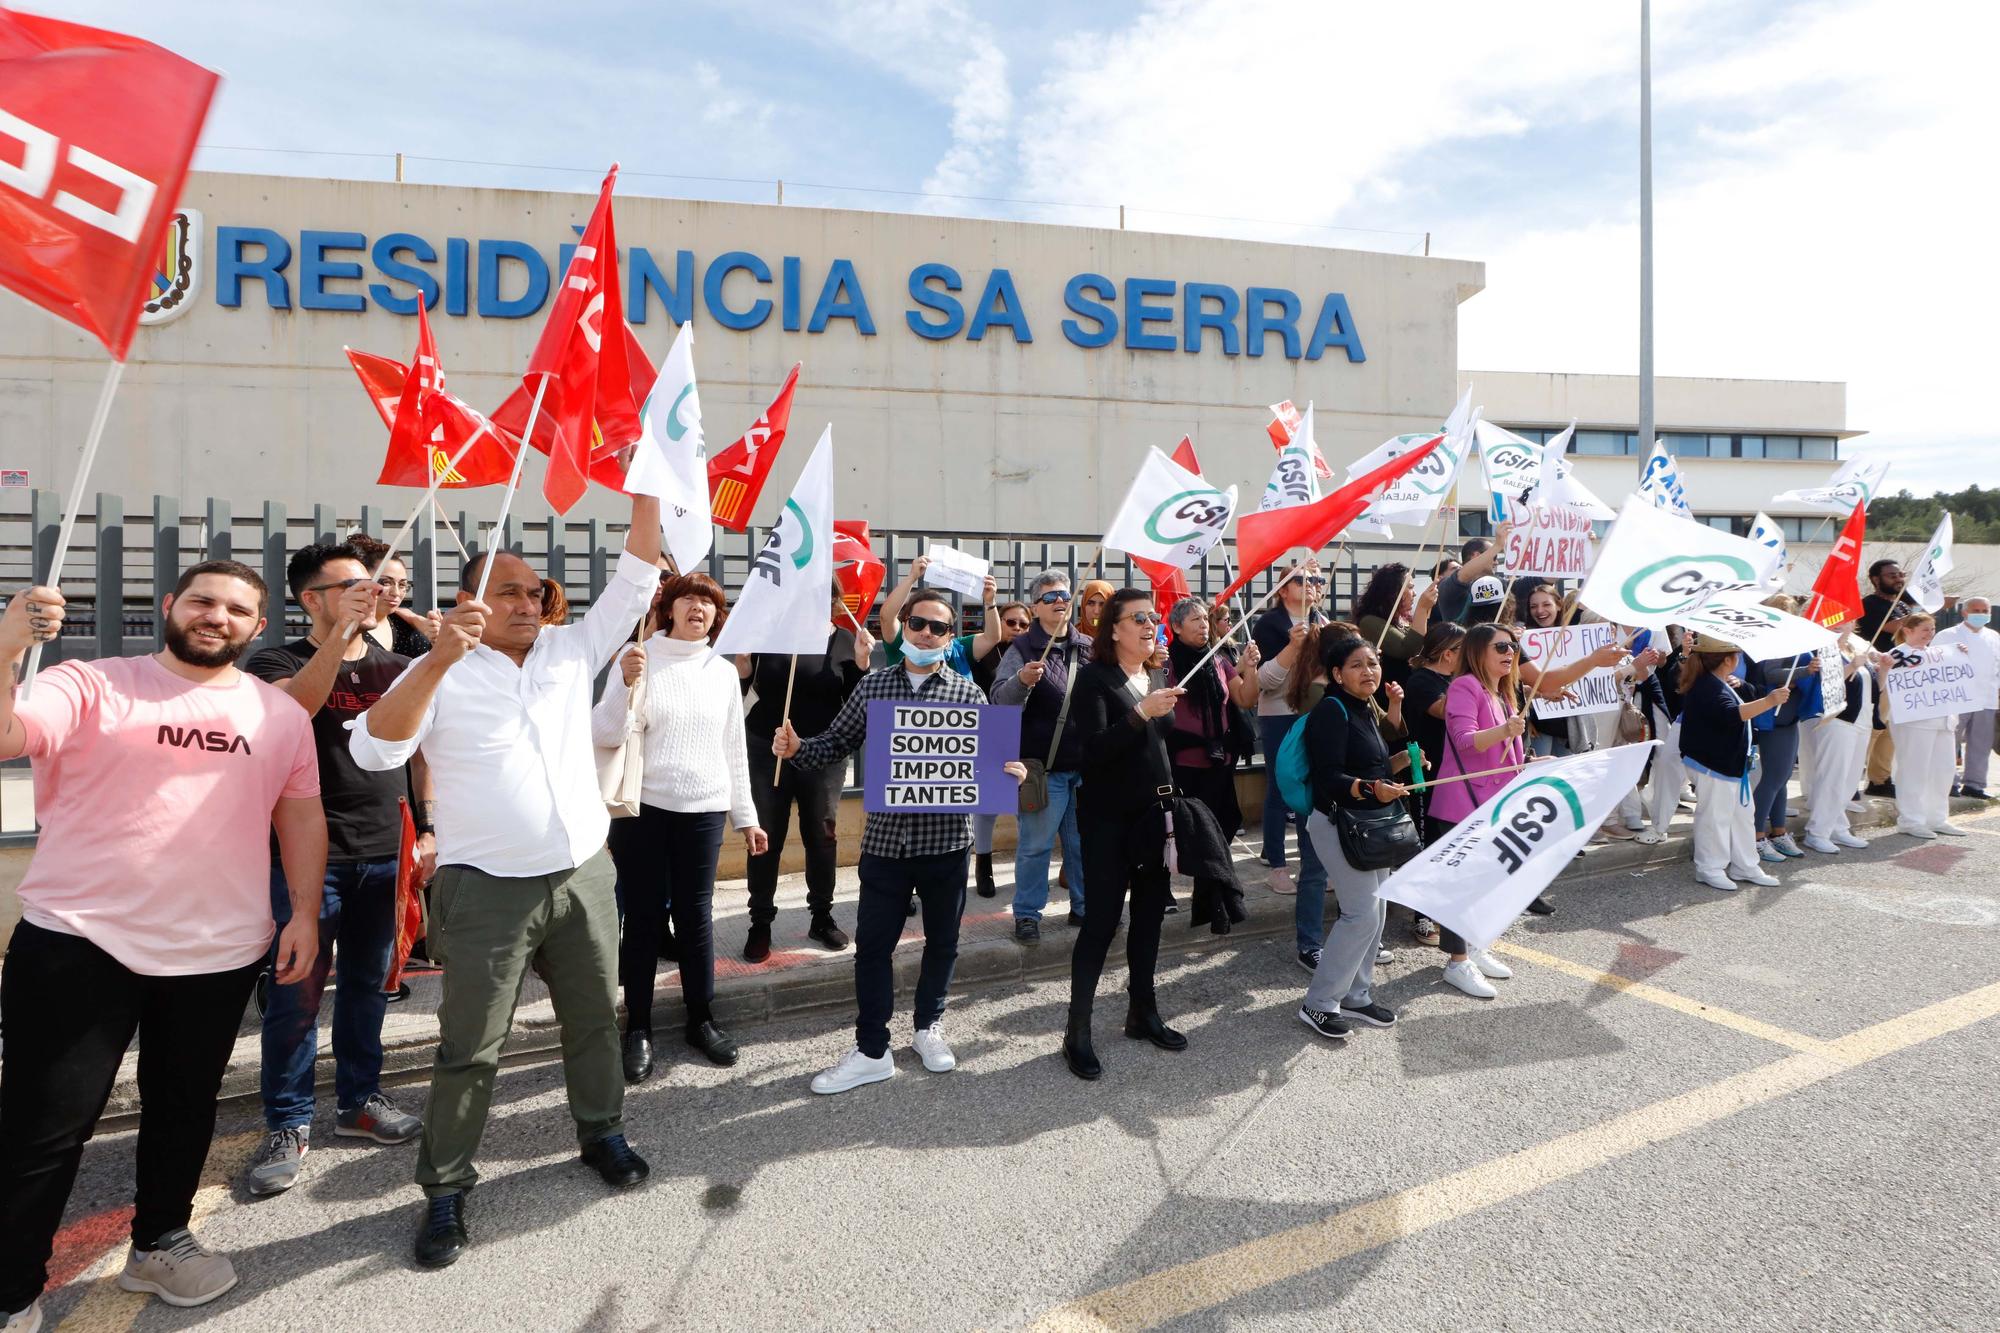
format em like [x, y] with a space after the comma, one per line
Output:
[587, 389]
[606, 465]
[736, 475]
[1836, 593]
[99, 128]
[1170, 581]
[1262, 538]
[489, 462]
[855, 567]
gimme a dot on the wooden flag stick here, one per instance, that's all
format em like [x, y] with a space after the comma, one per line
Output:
[84, 464]
[1216, 647]
[791, 679]
[438, 511]
[1409, 574]
[1465, 777]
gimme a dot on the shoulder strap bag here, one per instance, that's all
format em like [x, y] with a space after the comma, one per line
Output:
[1035, 789]
[621, 768]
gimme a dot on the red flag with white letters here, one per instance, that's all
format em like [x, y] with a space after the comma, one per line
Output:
[1836, 593]
[452, 423]
[96, 131]
[855, 567]
[582, 358]
[736, 475]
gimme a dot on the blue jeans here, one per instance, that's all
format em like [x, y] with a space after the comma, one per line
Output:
[1778, 752]
[1309, 911]
[357, 910]
[1038, 833]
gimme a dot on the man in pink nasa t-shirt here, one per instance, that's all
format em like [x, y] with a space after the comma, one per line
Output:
[146, 909]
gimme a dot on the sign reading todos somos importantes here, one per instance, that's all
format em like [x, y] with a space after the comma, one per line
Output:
[1480, 876]
[1944, 682]
[1652, 568]
[941, 758]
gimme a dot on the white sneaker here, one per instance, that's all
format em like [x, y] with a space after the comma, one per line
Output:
[1652, 837]
[1488, 965]
[1815, 843]
[178, 1270]
[1846, 839]
[1757, 877]
[1721, 883]
[1786, 847]
[1383, 957]
[1915, 831]
[854, 1070]
[934, 1051]
[1856, 808]
[1949, 830]
[28, 1320]
[1462, 974]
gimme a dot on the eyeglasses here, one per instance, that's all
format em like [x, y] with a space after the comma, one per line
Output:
[1146, 618]
[395, 585]
[1018, 626]
[343, 585]
[1053, 596]
[925, 623]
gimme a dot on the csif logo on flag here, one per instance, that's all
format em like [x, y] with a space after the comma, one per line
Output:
[791, 542]
[1189, 516]
[1538, 806]
[176, 275]
[1681, 581]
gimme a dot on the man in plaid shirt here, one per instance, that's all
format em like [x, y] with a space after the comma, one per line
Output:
[901, 854]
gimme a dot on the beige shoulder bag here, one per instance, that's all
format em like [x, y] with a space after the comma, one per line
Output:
[621, 768]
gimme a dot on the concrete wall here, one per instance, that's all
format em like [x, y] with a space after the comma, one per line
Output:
[250, 403]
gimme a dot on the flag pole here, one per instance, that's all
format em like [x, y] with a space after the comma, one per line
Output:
[1464, 777]
[791, 679]
[97, 423]
[430, 498]
[456, 540]
[513, 484]
[1409, 575]
[1216, 647]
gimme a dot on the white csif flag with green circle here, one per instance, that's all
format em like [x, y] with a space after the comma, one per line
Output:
[1170, 514]
[670, 460]
[783, 607]
[1653, 567]
[1926, 580]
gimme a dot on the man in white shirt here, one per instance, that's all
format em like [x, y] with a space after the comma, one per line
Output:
[1975, 729]
[500, 707]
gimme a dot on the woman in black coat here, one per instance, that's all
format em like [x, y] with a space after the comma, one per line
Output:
[1127, 793]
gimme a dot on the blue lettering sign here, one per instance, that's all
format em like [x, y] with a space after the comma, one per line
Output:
[1260, 321]
[642, 275]
[1196, 316]
[384, 256]
[711, 290]
[1335, 329]
[841, 298]
[1106, 317]
[232, 266]
[1138, 314]
[1000, 304]
[941, 301]
[491, 304]
[316, 270]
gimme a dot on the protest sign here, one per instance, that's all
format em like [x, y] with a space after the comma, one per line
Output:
[947, 758]
[1944, 683]
[1478, 877]
[955, 571]
[1548, 649]
[1832, 677]
[1550, 540]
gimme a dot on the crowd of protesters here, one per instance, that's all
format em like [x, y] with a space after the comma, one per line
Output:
[461, 747]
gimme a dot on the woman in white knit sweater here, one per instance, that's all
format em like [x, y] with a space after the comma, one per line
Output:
[697, 775]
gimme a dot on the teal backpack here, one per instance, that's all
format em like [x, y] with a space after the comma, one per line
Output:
[1292, 772]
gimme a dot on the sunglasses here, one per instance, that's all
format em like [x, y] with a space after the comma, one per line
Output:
[343, 585]
[1020, 626]
[925, 623]
[1503, 646]
[1146, 618]
[1053, 596]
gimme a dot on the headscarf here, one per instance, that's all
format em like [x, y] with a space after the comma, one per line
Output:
[1094, 588]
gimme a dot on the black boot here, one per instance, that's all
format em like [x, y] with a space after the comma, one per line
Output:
[757, 945]
[1082, 1060]
[638, 1056]
[1142, 1023]
[984, 873]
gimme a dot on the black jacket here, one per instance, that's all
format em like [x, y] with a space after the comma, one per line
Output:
[1342, 745]
[1124, 756]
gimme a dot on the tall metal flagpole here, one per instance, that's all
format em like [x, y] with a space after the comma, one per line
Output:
[1646, 428]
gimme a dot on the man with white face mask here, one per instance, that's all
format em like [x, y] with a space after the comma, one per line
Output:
[1975, 729]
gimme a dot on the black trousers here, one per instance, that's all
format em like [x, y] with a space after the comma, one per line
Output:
[70, 1010]
[887, 882]
[666, 864]
[1108, 877]
[817, 796]
[1434, 828]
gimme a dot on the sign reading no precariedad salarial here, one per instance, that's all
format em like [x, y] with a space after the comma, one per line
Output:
[941, 758]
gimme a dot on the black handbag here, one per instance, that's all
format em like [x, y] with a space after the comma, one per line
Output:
[1379, 839]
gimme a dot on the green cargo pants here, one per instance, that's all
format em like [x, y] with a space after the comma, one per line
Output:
[487, 931]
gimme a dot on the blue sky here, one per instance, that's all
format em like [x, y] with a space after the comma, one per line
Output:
[1824, 203]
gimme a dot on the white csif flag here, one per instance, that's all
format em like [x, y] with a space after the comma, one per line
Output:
[670, 460]
[1170, 514]
[1652, 567]
[1764, 530]
[1294, 480]
[1480, 876]
[1414, 497]
[1762, 632]
[1856, 482]
[783, 605]
[1925, 586]
[1660, 482]
[1513, 463]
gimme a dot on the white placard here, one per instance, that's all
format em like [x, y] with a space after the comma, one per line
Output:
[1947, 682]
[1550, 649]
[955, 571]
[1548, 540]
[1832, 679]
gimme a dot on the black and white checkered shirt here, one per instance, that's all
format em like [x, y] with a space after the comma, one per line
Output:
[894, 834]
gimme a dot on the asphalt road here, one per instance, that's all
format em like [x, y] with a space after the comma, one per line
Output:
[1689, 1110]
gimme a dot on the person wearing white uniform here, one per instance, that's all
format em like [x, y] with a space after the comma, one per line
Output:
[1840, 751]
[500, 707]
[1924, 762]
[1716, 749]
[1975, 729]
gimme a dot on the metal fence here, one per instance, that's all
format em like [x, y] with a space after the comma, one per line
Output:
[123, 560]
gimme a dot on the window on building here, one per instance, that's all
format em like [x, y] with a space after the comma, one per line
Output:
[1473, 523]
[1688, 446]
[1795, 529]
[1781, 446]
[1598, 443]
[1818, 446]
[1724, 523]
[1749, 446]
